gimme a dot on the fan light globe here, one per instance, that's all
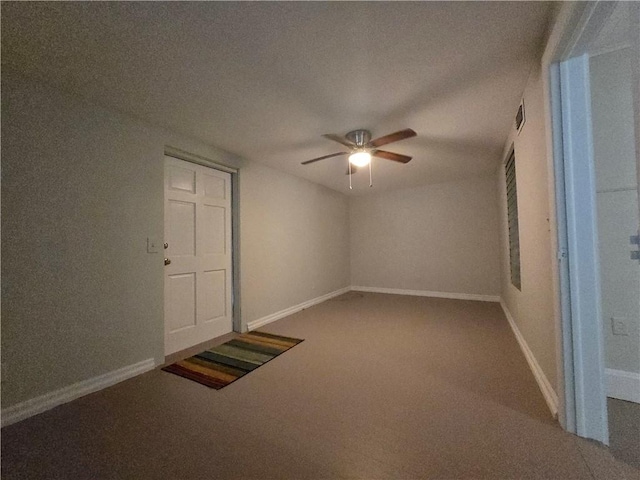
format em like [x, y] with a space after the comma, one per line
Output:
[360, 159]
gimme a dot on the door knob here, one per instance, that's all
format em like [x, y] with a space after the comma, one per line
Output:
[167, 261]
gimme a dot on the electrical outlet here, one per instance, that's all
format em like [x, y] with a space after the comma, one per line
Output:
[619, 326]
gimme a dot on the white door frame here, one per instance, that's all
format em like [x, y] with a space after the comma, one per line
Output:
[580, 343]
[235, 225]
[582, 236]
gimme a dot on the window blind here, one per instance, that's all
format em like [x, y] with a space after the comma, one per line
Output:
[512, 215]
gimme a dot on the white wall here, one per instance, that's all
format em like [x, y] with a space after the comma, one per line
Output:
[617, 203]
[437, 238]
[532, 307]
[82, 188]
[294, 241]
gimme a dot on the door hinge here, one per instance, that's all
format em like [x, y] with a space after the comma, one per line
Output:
[563, 254]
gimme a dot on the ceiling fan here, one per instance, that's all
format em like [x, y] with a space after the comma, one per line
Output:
[362, 148]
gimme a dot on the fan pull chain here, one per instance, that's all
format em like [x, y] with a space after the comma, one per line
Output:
[350, 187]
[370, 177]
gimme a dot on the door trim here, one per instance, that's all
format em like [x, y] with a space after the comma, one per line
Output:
[174, 152]
[584, 265]
[197, 159]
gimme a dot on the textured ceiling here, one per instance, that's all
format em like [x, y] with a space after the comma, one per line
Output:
[266, 80]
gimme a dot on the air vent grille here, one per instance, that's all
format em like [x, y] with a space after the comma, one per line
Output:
[520, 117]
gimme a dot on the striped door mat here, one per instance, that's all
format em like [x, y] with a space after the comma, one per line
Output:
[224, 364]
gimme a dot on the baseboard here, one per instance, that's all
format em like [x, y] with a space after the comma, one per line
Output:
[547, 390]
[45, 402]
[426, 293]
[296, 308]
[623, 385]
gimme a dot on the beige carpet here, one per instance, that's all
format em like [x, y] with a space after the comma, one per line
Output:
[383, 387]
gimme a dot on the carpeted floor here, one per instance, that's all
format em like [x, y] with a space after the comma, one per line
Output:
[383, 387]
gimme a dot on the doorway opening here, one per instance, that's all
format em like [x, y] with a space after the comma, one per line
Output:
[595, 138]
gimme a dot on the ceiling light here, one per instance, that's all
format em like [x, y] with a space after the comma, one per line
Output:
[360, 159]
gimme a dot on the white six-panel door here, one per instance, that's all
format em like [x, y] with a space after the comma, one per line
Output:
[197, 232]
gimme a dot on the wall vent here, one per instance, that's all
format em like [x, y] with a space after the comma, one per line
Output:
[520, 116]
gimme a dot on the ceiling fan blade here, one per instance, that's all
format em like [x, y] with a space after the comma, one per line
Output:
[396, 157]
[354, 169]
[339, 139]
[392, 137]
[325, 156]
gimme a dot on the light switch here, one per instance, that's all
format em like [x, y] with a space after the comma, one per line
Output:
[619, 326]
[154, 244]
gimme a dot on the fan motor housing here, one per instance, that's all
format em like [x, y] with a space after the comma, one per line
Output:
[359, 137]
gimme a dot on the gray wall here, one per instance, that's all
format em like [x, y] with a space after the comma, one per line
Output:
[532, 307]
[438, 238]
[82, 188]
[617, 203]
